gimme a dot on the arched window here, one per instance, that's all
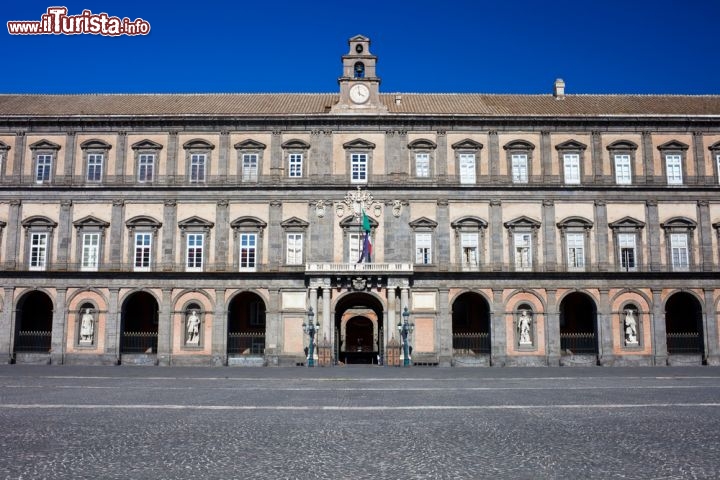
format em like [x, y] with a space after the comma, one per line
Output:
[359, 70]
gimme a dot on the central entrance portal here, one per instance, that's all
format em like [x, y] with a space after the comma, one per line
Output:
[359, 329]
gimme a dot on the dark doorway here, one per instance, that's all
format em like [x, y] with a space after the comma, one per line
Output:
[33, 327]
[471, 324]
[139, 324]
[359, 329]
[246, 325]
[578, 325]
[683, 324]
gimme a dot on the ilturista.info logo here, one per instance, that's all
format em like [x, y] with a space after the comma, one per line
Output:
[56, 21]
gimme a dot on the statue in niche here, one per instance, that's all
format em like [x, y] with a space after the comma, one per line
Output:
[193, 328]
[630, 327]
[524, 327]
[87, 326]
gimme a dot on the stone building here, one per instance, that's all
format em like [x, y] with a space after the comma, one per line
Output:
[517, 229]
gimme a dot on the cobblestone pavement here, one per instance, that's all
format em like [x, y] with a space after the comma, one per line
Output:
[62, 422]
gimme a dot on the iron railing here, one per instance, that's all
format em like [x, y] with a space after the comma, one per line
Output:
[246, 343]
[139, 342]
[472, 342]
[684, 342]
[33, 341]
[578, 342]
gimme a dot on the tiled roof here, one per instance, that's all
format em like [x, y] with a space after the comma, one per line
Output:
[278, 104]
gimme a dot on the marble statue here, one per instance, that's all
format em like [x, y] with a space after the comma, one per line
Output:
[524, 327]
[193, 328]
[630, 327]
[87, 327]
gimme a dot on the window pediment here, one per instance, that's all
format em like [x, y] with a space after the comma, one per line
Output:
[575, 222]
[142, 221]
[423, 222]
[195, 222]
[3, 224]
[250, 145]
[90, 222]
[467, 144]
[570, 145]
[627, 223]
[673, 145]
[146, 145]
[469, 222]
[519, 145]
[44, 145]
[95, 143]
[715, 146]
[422, 144]
[4, 146]
[359, 144]
[522, 222]
[248, 223]
[679, 224]
[198, 143]
[296, 144]
[294, 222]
[622, 145]
[39, 221]
[350, 221]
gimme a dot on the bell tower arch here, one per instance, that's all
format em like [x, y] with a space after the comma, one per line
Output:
[359, 83]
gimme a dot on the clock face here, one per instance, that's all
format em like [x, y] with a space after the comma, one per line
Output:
[359, 93]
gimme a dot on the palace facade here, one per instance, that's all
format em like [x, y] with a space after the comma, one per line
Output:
[201, 229]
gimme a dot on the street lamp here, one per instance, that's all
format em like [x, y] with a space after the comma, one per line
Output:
[311, 328]
[405, 328]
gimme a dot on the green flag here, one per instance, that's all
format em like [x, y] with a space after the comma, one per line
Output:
[365, 221]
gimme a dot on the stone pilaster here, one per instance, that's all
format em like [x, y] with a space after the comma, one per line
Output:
[165, 329]
[601, 236]
[222, 235]
[444, 330]
[391, 293]
[498, 332]
[321, 231]
[710, 329]
[328, 320]
[705, 235]
[596, 153]
[219, 330]
[7, 325]
[172, 154]
[117, 233]
[276, 160]
[545, 158]
[552, 329]
[647, 153]
[112, 327]
[443, 234]
[702, 176]
[496, 235]
[14, 228]
[59, 328]
[398, 239]
[273, 329]
[604, 330]
[275, 243]
[168, 238]
[441, 159]
[120, 154]
[64, 235]
[69, 167]
[653, 223]
[18, 157]
[223, 156]
[659, 331]
[549, 235]
[494, 156]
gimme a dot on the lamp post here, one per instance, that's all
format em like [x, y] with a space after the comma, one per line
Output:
[405, 328]
[311, 328]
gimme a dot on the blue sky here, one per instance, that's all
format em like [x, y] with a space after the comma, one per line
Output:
[610, 46]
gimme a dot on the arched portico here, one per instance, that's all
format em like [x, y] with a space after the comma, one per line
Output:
[359, 329]
[578, 325]
[139, 324]
[470, 325]
[33, 323]
[684, 325]
[246, 325]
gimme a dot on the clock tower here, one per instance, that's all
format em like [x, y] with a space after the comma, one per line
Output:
[359, 84]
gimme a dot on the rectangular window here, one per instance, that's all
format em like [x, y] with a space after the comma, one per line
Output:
[469, 244]
[197, 168]
[143, 244]
[195, 244]
[575, 251]
[673, 164]
[622, 170]
[38, 251]
[248, 251]
[94, 167]
[44, 166]
[717, 160]
[146, 168]
[626, 245]
[90, 252]
[679, 251]
[519, 168]
[295, 165]
[467, 168]
[422, 165]
[423, 248]
[354, 247]
[571, 163]
[294, 248]
[249, 167]
[523, 251]
[358, 167]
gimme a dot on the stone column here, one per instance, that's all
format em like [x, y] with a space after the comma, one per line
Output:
[223, 156]
[168, 235]
[165, 329]
[701, 173]
[117, 233]
[69, 167]
[120, 154]
[443, 234]
[441, 157]
[276, 160]
[493, 157]
[552, 329]
[710, 329]
[64, 235]
[273, 329]
[313, 299]
[14, 229]
[496, 235]
[596, 153]
[57, 341]
[444, 330]
[7, 326]
[659, 332]
[604, 329]
[705, 235]
[219, 330]
[601, 236]
[172, 154]
[328, 322]
[546, 158]
[275, 254]
[647, 159]
[222, 235]
[18, 157]
[549, 235]
[498, 332]
[653, 223]
[404, 297]
[112, 327]
[391, 293]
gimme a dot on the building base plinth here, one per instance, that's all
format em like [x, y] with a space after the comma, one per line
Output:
[713, 360]
[578, 360]
[684, 360]
[627, 361]
[526, 361]
[191, 361]
[474, 361]
[90, 359]
[33, 358]
[142, 359]
[246, 361]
